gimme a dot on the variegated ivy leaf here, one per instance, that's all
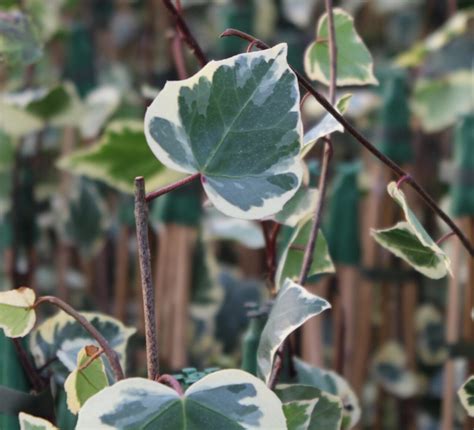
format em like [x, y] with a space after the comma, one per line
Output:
[86, 380]
[402, 241]
[454, 89]
[237, 122]
[354, 62]
[62, 337]
[30, 422]
[293, 306]
[466, 395]
[17, 317]
[411, 242]
[227, 399]
[51, 103]
[292, 257]
[299, 207]
[326, 126]
[431, 346]
[392, 373]
[307, 407]
[330, 382]
[16, 122]
[121, 155]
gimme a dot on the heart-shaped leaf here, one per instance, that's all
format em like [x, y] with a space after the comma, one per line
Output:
[237, 122]
[291, 259]
[307, 407]
[330, 382]
[30, 422]
[121, 155]
[391, 371]
[293, 306]
[466, 395]
[227, 399]
[63, 337]
[354, 62]
[17, 317]
[86, 380]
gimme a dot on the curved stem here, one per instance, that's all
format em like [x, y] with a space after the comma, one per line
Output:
[166, 189]
[444, 237]
[171, 382]
[366, 143]
[141, 221]
[112, 356]
[185, 33]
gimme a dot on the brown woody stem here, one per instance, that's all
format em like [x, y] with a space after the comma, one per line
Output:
[166, 189]
[141, 221]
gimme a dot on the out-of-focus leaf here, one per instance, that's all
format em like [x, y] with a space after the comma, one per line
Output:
[308, 407]
[86, 380]
[291, 259]
[298, 207]
[326, 126]
[16, 122]
[18, 42]
[17, 317]
[246, 232]
[440, 102]
[452, 28]
[63, 337]
[299, 12]
[121, 155]
[46, 16]
[227, 399]
[51, 104]
[330, 382]
[99, 106]
[237, 122]
[430, 328]
[29, 422]
[293, 306]
[354, 62]
[466, 395]
[391, 371]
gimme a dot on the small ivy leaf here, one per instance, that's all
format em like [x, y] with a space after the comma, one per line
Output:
[226, 399]
[332, 383]
[121, 155]
[466, 395]
[431, 347]
[63, 337]
[410, 241]
[30, 422]
[51, 103]
[293, 306]
[390, 369]
[292, 257]
[18, 42]
[86, 380]
[237, 122]
[17, 317]
[326, 126]
[454, 89]
[307, 407]
[299, 207]
[402, 241]
[354, 62]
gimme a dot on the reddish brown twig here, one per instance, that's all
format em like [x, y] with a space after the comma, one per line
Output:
[166, 189]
